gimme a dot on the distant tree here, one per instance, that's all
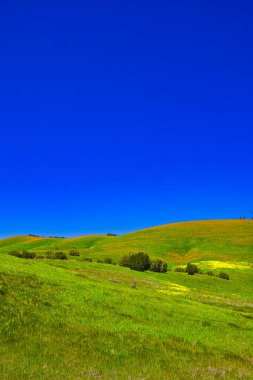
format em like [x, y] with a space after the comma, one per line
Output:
[139, 261]
[223, 275]
[158, 266]
[191, 269]
[28, 255]
[111, 234]
[59, 255]
[23, 255]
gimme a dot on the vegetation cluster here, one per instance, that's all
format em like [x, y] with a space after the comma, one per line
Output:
[141, 262]
[192, 269]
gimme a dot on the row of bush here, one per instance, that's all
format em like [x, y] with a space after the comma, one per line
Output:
[138, 261]
[58, 255]
[23, 254]
[49, 254]
[32, 255]
[141, 262]
[192, 269]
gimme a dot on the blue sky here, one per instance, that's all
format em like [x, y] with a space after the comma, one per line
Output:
[119, 115]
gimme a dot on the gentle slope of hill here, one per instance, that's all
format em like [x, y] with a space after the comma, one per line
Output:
[72, 319]
[177, 242]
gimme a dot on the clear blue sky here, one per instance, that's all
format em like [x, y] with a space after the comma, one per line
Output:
[119, 115]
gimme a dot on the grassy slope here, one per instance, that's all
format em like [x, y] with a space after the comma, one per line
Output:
[78, 320]
[178, 242]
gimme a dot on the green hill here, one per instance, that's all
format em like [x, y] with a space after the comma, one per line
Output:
[72, 319]
[177, 242]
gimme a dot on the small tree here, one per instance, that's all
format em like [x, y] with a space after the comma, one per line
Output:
[60, 255]
[28, 255]
[23, 255]
[164, 267]
[158, 266]
[191, 269]
[138, 261]
[223, 275]
[56, 255]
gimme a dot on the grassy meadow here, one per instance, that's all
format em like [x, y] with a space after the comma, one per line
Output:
[72, 319]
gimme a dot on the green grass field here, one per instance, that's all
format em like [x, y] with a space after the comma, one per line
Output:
[71, 319]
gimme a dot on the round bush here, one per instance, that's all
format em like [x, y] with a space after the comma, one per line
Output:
[74, 252]
[223, 275]
[158, 266]
[15, 253]
[138, 261]
[60, 255]
[107, 260]
[191, 269]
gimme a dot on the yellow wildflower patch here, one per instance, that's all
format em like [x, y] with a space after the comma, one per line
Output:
[225, 265]
[172, 289]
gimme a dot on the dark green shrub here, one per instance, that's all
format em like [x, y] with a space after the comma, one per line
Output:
[100, 261]
[23, 255]
[74, 252]
[158, 266]
[179, 269]
[107, 260]
[28, 255]
[223, 275]
[89, 259]
[191, 269]
[15, 253]
[164, 267]
[60, 255]
[125, 261]
[210, 273]
[138, 261]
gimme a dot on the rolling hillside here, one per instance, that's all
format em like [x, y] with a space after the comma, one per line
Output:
[74, 320]
[178, 242]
